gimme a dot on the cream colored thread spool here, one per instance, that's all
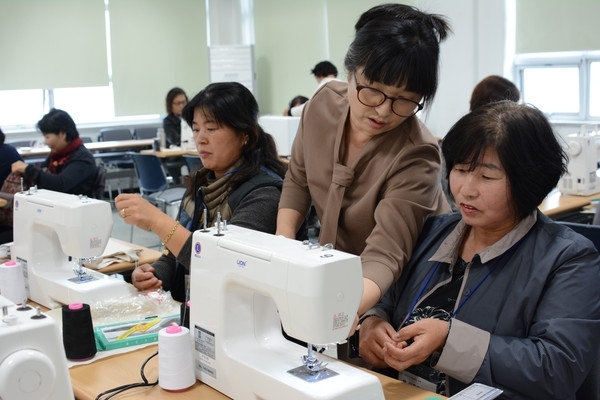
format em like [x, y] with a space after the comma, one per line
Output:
[175, 362]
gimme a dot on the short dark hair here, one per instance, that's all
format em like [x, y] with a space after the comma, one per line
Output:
[512, 130]
[171, 94]
[399, 45]
[232, 104]
[323, 69]
[57, 121]
[491, 89]
[2, 137]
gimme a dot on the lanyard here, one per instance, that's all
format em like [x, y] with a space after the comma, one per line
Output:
[430, 276]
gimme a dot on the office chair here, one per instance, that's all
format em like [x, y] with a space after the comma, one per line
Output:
[86, 139]
[591, 232]
[192, 161]
[110, 134]
[99, 183]
[116, 160]
[21, 143]
[145, 133]
[154, 185]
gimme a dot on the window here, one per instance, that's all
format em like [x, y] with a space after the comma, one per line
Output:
[565, 86]
[21, 107]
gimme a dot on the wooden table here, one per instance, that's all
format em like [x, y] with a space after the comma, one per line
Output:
[556, 203]
[166, 153]
[91, 379]
[115, 145]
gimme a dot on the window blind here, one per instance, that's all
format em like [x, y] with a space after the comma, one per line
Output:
[52, 44]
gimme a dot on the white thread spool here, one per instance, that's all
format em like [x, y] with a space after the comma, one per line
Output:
[175, 362]
[12, 283]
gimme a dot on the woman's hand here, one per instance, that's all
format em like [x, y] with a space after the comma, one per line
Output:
[143, 278]
[426, 336]
[18, 167]
[136, 210]
[374, 334]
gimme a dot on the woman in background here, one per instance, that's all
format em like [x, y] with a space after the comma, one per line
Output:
[176, 100]
[70, 167]
[240, 180]
[491, 89]
[8, 155]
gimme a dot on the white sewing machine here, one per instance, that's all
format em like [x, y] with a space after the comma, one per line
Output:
[283, 129]
[584, 153]
[53, 233]
[245, 286]
[33, 364]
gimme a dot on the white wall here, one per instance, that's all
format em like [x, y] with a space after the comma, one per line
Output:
[474, 50]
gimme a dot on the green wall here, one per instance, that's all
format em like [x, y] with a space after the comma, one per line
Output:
[292, 36]
[557, 25]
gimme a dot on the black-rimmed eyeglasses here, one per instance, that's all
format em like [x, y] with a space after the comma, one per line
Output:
[372, 97]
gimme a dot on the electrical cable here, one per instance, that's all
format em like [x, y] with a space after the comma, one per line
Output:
[120, 389]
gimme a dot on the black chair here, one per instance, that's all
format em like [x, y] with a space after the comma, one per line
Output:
[21, 143]
[116, 160]
[100, 183]
[145, 133]
[111, 134]
[86, 139]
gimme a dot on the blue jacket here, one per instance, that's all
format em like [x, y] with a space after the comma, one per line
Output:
[533, 326]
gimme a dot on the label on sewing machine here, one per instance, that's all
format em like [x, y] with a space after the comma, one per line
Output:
[205, 345]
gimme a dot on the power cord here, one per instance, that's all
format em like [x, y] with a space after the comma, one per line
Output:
[120, 389]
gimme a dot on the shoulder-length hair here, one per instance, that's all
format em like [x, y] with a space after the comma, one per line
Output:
[233, 105]
[57, 121]
[524, 140]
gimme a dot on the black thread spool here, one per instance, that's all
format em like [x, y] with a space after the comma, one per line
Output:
[78, 332]
[184, 314]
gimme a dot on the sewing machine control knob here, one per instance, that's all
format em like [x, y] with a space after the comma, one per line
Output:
[574, 148]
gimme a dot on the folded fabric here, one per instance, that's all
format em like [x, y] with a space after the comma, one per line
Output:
[114, 253]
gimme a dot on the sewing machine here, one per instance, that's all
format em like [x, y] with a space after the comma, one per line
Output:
[584, 153]
[33, 364]
[246, 286]
[283, 129]
[53, 234]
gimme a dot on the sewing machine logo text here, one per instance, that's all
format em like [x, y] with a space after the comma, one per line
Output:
[95, 243]
[197, 249]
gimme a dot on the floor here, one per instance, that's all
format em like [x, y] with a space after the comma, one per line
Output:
[124, 231]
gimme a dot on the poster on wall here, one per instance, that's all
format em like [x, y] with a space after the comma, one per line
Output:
[233, 63]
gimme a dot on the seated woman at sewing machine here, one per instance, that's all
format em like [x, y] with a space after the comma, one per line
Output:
[70, 167]
[496, 293]
[240, 182]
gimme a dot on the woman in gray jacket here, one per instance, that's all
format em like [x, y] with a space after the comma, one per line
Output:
[497, 293]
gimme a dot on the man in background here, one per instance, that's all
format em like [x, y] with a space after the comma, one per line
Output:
[324, 72]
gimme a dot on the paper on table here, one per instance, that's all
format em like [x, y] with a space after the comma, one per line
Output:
[113, 253]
